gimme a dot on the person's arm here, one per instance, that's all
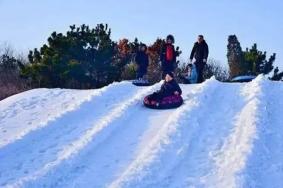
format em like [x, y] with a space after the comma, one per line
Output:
[137, 59]
[206, 51]
[175, 55]
[193, 52]
[162, 54]
[147, 60]
[178, 90]
[175, 58]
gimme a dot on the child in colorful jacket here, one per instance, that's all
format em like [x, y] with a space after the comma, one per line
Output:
[168, 56]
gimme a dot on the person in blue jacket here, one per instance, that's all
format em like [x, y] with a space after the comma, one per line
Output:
[192, 76]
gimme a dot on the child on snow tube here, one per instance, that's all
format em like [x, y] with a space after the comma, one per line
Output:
[169, 96]
[191, 76]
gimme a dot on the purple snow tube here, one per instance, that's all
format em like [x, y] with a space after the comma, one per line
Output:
[170, 102]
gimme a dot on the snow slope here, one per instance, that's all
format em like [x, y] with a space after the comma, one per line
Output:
[225, 135]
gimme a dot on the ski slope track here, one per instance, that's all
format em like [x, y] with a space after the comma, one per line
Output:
[224, 135]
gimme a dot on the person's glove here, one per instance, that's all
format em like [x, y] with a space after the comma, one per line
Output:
[176, 93]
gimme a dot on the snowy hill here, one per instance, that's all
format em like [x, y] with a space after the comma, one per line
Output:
[225, 135]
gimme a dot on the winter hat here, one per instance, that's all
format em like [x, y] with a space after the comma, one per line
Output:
[171, 74]
[170, 37]
[143, 45]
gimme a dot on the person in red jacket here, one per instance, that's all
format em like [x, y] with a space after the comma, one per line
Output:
[168, 56]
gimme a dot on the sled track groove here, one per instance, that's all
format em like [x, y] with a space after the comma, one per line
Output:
[78, 144]
[24, 110]
[143, 169]
[264, 166]
[231, 159]
[202, 135]
[224, 135]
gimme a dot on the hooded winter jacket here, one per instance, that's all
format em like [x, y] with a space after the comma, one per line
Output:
[192, 76]
[168, 57]
[200, 52]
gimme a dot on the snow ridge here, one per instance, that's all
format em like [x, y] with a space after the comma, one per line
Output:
[9, 112]
[80, 143]
[144, 165]
[232, 157]
[224, 135]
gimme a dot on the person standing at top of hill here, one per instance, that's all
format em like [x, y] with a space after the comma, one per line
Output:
[168, 56]
[142, 61]
[200, 53]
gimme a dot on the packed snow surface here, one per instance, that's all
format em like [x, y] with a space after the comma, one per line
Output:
[224, 136]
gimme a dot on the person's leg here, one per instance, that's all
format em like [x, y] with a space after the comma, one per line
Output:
[199, 68]
[165, 69]
[183, 79]
[154, 96]
[139, 74]
[143, 72]
[200, 75]
[159, 96]
[201, 78]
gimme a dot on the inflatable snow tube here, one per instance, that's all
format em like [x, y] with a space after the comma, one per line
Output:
[170, 102]
[141, 83]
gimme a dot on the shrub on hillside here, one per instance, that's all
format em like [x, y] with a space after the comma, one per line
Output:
[277, 76]
[214, 68]
[10, 80]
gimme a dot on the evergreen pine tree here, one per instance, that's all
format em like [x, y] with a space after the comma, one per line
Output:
[252, 61]
[235, 56]
[82, 58]
[256, 63]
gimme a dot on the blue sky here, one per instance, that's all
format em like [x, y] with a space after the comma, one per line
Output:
[26, 24]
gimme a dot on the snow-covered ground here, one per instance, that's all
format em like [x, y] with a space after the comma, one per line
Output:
[225, 135]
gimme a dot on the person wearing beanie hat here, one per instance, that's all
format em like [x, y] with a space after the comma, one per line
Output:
[168, 88]
[168, 56]
[171, 74]
[142, 60]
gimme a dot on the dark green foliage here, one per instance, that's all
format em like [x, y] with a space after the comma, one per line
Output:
[126, 57]
[10, 80]
[249, 62]
[256, 63]
[8, 63]
[86, 58]
[277, 76]
[83, 58]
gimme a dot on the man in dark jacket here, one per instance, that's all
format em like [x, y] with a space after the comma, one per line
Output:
[168, 56]
[142, 61]
[169, 87]
[200, 53]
